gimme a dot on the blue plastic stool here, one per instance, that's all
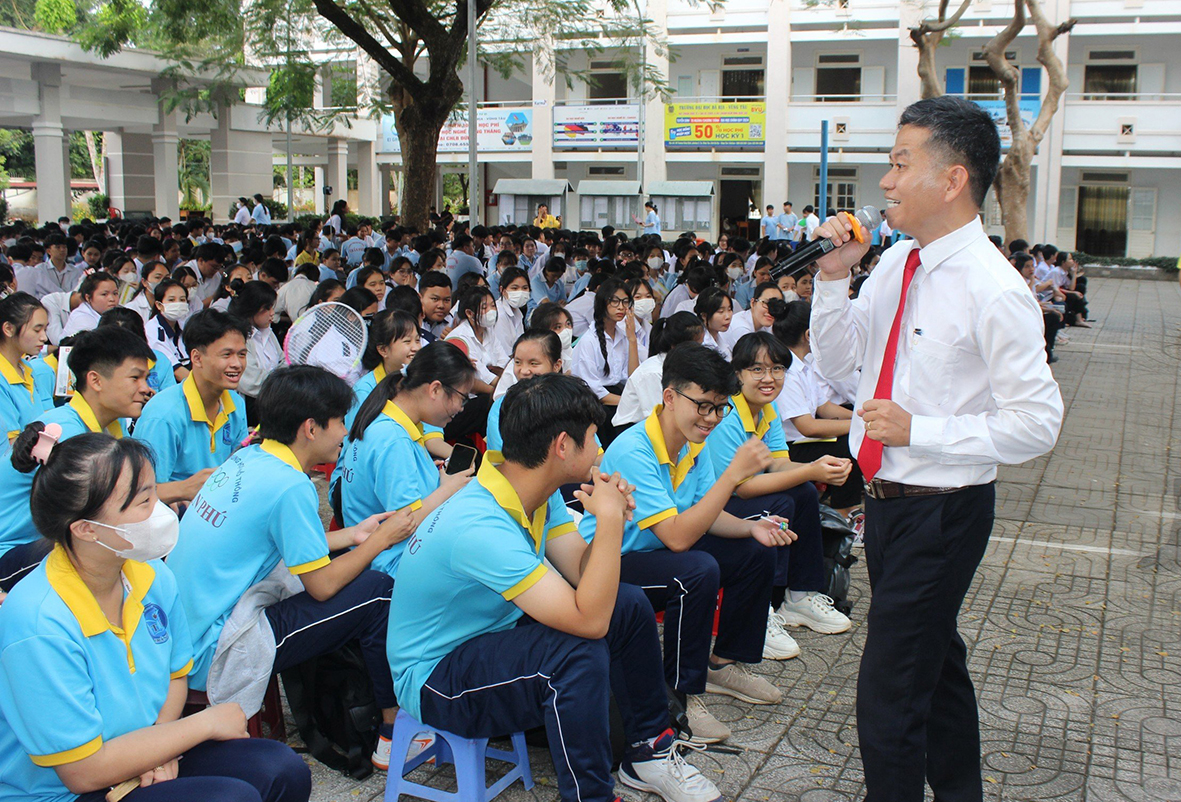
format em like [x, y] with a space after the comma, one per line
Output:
[467, 754]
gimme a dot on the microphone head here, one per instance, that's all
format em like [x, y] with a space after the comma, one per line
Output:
[869, 217]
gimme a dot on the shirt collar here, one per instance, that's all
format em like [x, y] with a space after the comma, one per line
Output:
[656, 435]
[492, 480]
[942, 249]
[19, 373]
[281, 452]
[379, 373]
[197, 408]
[767, 416]
[90, 420]
[66, 583]
[413, 429]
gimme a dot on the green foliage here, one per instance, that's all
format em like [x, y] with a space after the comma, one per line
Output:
[98, 205]
[278, 209]
[55, 16]
[193, 168]
[3, 210]
[351, 219]
[17, 148]
[1167, 263]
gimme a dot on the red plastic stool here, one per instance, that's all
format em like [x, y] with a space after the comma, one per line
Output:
[271, 713]
[717, 613]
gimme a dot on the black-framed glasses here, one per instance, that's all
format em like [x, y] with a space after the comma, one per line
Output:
[759, 371]
[449, 388]
[621, 302]
[705, 408]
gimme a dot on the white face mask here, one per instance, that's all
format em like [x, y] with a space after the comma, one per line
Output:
[129, 277]
[150, 539]
[655, 263]
[580, 265]
[733, 273]
[176, 311]
[644, 307]
[790, 296]
[517, 298]
[567, 337]
[488, 319]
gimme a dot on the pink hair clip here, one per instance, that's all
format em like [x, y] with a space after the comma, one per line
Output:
[45, 442]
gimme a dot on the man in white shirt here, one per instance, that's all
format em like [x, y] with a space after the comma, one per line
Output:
[954, 382]
[811, 222]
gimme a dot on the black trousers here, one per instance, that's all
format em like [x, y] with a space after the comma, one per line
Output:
[848, 494]
[1053, 322]
[916, 708]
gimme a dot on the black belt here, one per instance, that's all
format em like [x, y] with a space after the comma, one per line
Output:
[882, 490]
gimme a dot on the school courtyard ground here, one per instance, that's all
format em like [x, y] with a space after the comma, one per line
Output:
[1073, 623]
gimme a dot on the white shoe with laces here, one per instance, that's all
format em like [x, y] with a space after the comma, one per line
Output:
[814, 611]
[658, 768]
[778, 645]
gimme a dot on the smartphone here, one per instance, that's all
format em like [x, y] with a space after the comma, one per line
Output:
[462, 458]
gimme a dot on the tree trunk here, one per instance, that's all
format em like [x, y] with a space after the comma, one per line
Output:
[96, 162]
[927, 44]
[1012, 188]
[419, 140]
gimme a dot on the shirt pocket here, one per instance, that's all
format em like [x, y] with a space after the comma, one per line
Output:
[931, 366]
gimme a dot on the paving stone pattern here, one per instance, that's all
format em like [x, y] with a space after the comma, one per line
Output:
[1073, 623]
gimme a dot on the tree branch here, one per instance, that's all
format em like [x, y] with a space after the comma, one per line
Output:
[1046, 34]
[1006, 73]
[939, 25]
[405, 78]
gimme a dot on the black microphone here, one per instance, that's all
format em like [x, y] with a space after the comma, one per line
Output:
[864, 221]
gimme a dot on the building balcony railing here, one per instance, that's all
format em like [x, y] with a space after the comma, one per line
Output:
[1135, 122]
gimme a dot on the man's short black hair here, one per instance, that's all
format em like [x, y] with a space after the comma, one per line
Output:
[105, 349]
[966, 134]
[208, 252]
[537, 410]
[405, 298]
[433, 278]
[147, 247]
[293, 394]
[210, 325]
[690, 363]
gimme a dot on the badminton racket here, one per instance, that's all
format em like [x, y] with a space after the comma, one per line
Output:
[330, 336]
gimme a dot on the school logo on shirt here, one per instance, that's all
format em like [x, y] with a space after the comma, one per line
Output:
[154, 381]
[225, 435]
[157, 622]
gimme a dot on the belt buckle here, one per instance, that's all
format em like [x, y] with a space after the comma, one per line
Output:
[874, 488]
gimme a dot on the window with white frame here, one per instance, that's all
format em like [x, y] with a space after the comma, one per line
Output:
[838, 77]
[841, 189]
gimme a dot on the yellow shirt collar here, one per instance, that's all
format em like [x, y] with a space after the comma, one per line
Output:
[66, 583]
[379, 373]
[17, 374]
[79, 405]
[494, 482]
[281, 452]
[197, 409]
[767, 416]
[413, 429]
[685, 464]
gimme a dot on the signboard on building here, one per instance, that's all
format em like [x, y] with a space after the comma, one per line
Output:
[497, 129]
[996, 109]
[587, 126]
[714, 125]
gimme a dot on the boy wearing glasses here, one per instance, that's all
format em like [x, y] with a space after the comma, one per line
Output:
[680, 545]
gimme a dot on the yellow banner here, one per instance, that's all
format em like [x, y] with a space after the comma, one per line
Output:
[714, 125]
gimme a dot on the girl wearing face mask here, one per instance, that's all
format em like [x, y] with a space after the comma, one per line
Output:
[164, 327]
[143, 301]
[100, 292]
[715, 310]
[386, 463]
[511, 306]
[645, 303]
[120, 687]
[478, 315]
[610, 352]
[28, 388]
[124, 270]
[654, 263]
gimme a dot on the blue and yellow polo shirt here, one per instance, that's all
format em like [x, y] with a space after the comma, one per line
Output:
[184, 439]
[24, 394]
[461, 571]
[496, 442]
[16, 519]
[255, 510]
[664, 488]
[71, 680]
[160, 374]
[735, 429]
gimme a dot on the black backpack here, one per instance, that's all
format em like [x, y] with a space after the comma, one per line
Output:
[838, 557]
[331, 700]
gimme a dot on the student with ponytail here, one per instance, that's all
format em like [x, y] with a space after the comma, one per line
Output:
[608, 354]
[386, 465]
[86, 705]
[111, 368]
[26, 390]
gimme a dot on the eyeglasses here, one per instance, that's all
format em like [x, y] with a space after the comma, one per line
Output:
[705, 408]
[621, 302]
[451, 389]
[758, 371]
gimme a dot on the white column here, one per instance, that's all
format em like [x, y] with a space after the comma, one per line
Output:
[653, 133]
[165, 142]
[368, 181]
[319, 190]
[337, 175]
[133, 190]
[240, 161]
[544, 97]
[50, 146]
[778, 97]
[1048, 179]
[909, 86]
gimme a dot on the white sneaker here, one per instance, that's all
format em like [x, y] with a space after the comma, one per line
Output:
[706, 729]
[778, 645]
[814, 611]
[660, 769]
[381, 754]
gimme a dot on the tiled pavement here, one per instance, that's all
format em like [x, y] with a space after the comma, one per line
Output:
[1073, 623]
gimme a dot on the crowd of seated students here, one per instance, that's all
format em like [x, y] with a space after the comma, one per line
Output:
[664, 390]
[1059, 284]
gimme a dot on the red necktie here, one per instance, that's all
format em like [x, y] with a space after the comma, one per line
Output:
[869, 457]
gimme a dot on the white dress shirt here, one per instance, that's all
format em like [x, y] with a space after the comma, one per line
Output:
[582, 311]
[263, 355]
[510, 324]
[741, 323]
[802, 394]
[588, 359]
[294, 296]
[642, 392]
[839, 392]
[83, 318]
[971, 362]
[482, 354]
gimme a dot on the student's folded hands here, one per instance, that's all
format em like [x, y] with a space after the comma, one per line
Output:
[607, 497]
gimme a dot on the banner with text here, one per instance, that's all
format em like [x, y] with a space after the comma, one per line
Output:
[714, 125]
[996, 109]
[497, 129]
[587, 126]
